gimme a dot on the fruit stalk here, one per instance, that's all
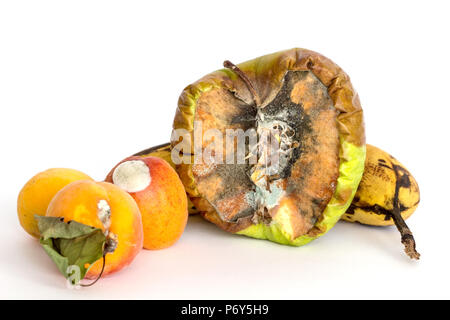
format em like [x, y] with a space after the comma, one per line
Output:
[406, 234]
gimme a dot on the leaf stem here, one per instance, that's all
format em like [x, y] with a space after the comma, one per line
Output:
[99, 276]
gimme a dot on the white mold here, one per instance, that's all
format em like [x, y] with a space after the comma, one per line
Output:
[132, 176]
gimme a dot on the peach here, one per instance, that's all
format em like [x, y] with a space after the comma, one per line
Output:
[83, 201]
[160, 195]
[37, 193]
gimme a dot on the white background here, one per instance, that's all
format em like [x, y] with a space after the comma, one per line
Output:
[84, 84]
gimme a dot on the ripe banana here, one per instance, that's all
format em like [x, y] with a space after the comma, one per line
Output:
[388, 194]
[161, 151]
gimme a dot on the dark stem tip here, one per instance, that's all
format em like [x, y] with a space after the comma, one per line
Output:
[410, 247]
[228, 64]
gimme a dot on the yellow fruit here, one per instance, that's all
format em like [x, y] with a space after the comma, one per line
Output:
[388, 194]
[161, 151]
[37, 193]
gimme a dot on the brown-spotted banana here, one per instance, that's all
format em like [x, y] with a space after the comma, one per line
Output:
[388, 194]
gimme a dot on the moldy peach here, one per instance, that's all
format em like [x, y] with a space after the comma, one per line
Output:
[106, 207]
[160, 195]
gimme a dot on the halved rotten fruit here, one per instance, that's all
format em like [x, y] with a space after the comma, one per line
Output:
[296, 120]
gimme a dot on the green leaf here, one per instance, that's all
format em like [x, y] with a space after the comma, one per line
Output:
[51, 227]
[71, 245]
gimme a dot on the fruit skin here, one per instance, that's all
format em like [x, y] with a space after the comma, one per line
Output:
[37, 193]
[374, 200]
[163, 204]
[163, 151]
[266, 73]
[79, 200]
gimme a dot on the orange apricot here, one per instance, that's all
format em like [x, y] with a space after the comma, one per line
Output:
[37, 193]
[86, 202]
[160, 195]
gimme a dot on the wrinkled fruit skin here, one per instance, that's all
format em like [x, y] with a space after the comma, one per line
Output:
[163, 204]
[312, 201]
[374, 199]
[37, 193]
[79, 202]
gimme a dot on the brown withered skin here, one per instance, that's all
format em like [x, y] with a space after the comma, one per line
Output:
[308, 93]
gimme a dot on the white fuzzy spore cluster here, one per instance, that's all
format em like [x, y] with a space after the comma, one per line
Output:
[132, 176]
[104, 213]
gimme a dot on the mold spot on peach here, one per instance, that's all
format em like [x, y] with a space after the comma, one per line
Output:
[132, 176]
[104, 214]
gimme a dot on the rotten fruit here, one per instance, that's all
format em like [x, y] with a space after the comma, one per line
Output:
[310, 104]
[273, 148]
[160, 195]
[99, 205]
[387, 195]
[163, 151]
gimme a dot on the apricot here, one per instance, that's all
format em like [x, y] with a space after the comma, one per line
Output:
[37, 193]
[160, 195]
[87, 202]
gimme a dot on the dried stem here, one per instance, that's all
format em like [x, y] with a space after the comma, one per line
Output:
[99, 276]
[407, 236]
[229, 65]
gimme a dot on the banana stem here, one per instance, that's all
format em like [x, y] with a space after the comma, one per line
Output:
[407, 236]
